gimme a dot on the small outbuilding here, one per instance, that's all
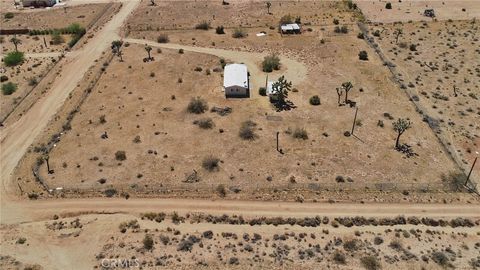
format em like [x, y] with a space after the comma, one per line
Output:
[271, 94]
[235, 81]
[290, 28]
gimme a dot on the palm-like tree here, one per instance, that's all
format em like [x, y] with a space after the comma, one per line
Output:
[16, 41]
[347, 86]
[148, 49]
[269, 4]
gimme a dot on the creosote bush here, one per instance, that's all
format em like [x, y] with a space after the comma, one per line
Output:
[211, 164]
[363, 55]
[203, 25]
[370, 262]
[314, 100]
[205, 123]
[270, 63]
[220, 30]
[221, 190]
[246, 130]
[148, 242]
[120, 155]
[163, 38]
[239, 33]
[8, 88]
[197, 105]
[300, 133]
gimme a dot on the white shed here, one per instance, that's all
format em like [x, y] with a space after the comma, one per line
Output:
[235, 81]
[290, 28]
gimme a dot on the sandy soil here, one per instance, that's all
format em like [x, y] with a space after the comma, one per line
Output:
[442, 73]
[412, 10]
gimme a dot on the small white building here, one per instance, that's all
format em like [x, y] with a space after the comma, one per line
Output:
[290, 28]
[235, 81]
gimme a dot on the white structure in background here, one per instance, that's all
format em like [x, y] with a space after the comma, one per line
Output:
[291, 28]
[235, 81]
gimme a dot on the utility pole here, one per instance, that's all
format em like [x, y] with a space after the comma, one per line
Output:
[471, 169]
[354, 120]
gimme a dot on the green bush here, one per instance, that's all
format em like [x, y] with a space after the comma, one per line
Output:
[370, 262]
[300, 133]
[360, 35]
[363, 55]
[3, 78]
[388, 5]
[163, 38]
[9, 15]
[57, 39]
[315, 100]
[262, 91]
[13, 59]
[270, 63]
[211, 164]
[8, 88]
[148, 242]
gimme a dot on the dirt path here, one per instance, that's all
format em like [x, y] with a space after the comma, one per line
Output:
[296, 71]
[39, 55]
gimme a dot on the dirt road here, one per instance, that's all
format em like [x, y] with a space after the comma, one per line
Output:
[40, 55]
[296, 71]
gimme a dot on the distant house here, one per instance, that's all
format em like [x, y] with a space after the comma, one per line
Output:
[235, 81]
[290, 28]
[38, 3]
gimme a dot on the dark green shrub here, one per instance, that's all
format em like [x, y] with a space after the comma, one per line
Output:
[262, 91]
[148, 242]
[300, 133]
[370, 262]
[360, 35]
[336, 21]
[363, 55]
[8, 88]
[9, 15]
[57, 39]
[220, 30]
[120, 155]
[197, 105]
[388, 5]
[339, 257]
[3, 78]
[13, 59]
[314, 100]
[246, 130]
[270, 63]
[206, 123]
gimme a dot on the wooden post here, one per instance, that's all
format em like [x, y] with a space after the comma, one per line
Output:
[45, 42]
[277, 141]
[354, 120]
[471, 169]
[47, 158]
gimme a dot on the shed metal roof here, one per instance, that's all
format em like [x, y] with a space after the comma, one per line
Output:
[235, 75]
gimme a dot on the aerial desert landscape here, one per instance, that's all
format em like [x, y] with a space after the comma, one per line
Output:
[149, 134]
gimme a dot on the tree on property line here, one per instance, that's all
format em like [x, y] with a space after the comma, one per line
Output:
[281, 88]
[116, 45]
[269, 4]
[148, 49]
[347, 86]
[16, 41]
[397, 33]
[400, 126]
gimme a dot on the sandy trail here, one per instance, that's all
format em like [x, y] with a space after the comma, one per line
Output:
[296, 71]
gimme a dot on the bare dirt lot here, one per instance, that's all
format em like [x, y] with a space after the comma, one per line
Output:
[52, 18]
[142, 108]
[412, 10]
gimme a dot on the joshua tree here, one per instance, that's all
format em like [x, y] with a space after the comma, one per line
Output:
[339, 93]
[152, 2]
[347, 86]
[281, 88]
[116, 45]
[16, 41]
[120, 55]
[269, 4]
[148, 49]
[400, 126]
[397, 33]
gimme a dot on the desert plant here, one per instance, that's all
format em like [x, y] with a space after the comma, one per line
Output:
[16, 41]
[148, 242]
[203, 25]
[239, 33]
[270, 63]
[120, 155]
[221, 190]
[413, 47]
[339, 257]
[32, 81]
[206, 123]
[370, 262]
[281, 88]
[13, 59]
[454, 180]
[360, 35]
[148, 49]
[388, 5]
[57, 39]
[397, 33]
[300, 133]
[211, 163]
[9, 15]
[336, 21]
[3, 78]
[220, 30]
[286, 19]
[440, 258]
[400, 126]
[262, 91]
[347, 86]
[197, 105]
[246, 130]
[314, 100]
[163, 38]
[8, 88]
[269, 4]
[363, 55]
